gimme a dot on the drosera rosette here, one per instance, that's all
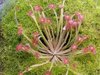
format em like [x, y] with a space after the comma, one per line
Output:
[54, 45]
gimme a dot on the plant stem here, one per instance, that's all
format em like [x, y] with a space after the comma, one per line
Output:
[67, 70]
[63, 41]
[34, 18]
[37, 65]
[69, 38]
[27, 37]
[60, 25]
[16, 18]
[51, 66]
[63, 52]
[48, 34]
[56, 19]
[60, 39]
[61, 17]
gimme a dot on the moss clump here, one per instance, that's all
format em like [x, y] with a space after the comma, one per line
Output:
[14, 62]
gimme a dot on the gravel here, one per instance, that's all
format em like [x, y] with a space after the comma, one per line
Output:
[1, 4]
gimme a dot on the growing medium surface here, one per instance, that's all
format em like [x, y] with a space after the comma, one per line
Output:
[60, 39]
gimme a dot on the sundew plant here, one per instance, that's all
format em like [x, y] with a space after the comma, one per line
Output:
[57, 40]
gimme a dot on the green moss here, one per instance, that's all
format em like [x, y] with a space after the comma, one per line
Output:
[14, 62]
